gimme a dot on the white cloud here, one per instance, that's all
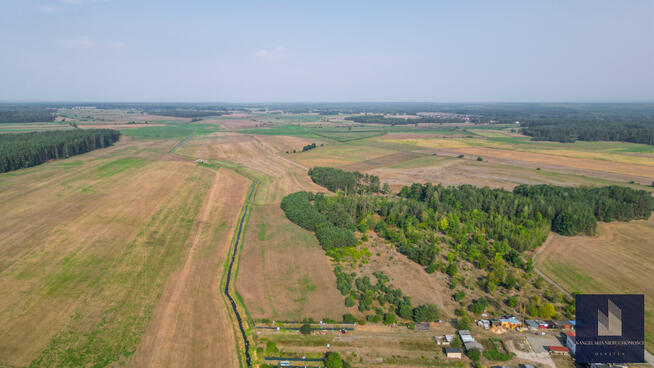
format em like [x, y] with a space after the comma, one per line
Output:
[270, 54]
[76, 42]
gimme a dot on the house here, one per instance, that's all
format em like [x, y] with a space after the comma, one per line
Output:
[453, 353]
[558, 350]
[466, 336]
[473, 345]
[542, 324]
[562, 324]
[571, 341]
[447, 339]
[510, 322]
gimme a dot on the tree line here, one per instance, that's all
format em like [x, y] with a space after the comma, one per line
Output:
[381, 119]
[25, 115]
[29, 149]
[566, 130]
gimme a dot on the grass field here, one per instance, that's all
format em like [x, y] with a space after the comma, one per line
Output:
[618, 260]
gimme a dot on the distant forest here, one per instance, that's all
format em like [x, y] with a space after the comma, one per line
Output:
[380, 119]
[22, 150]
[565, 130]
[25, 115]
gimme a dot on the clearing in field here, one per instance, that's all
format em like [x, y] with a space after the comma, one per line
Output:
[618, 260]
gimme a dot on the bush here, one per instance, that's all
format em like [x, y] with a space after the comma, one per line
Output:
[271, 348]
[463, 323]
[459, 295]
[333, 360]
[480, 159]
[349, 301]
[306, 329]
[478, 306]
[426, 313]
[389, 318]
[496, 355]
[431, 268]
[348, 318]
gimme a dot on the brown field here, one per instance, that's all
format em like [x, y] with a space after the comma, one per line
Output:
[283, 272]
[95, 245]
[190, 326]
[618, 260]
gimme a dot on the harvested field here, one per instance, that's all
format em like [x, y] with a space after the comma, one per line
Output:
[283, 273]
[283, 143]
[615, 261]
[190, 326]
[87, 245]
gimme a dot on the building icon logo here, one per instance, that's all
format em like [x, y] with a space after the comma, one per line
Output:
[609, 324]
[610, 328]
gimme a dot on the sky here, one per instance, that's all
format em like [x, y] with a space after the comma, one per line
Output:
[327, 51]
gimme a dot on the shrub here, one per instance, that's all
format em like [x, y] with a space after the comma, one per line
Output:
[474, 355]
[305, 329]
[333, 360]
[431, 268]
[463, 323]
[459, 295]
[389, 318]
[349, 301]
[348, 318]
[426, 313]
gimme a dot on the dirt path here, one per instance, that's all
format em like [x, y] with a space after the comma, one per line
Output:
[540, 358]
[191, 326]
[540, 273]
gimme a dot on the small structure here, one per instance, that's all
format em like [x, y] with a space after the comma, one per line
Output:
[558, 350]
[484, 323]
[571, 341]
[526, 366]
[447, 339]
[562, 324]
[531, 324]
[510, 322]
[542, 324]
[473, 345]
[466, 336]
[453, 353]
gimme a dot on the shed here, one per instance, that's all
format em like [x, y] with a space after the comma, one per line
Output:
[531, 324]
[466, 336]
[454, 353]
[510, 322]
[447, 339]
[562, 324]
[558, 350]
[473, 345]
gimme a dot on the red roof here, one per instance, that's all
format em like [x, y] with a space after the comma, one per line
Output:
[561, 349]
[571, 333]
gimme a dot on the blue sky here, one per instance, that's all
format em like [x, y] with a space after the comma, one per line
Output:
[280, 51]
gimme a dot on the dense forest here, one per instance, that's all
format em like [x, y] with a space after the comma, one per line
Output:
[347, 181]
[488, 228]
[565, 130]
[29, 149]
[25, 115]
[381, 119]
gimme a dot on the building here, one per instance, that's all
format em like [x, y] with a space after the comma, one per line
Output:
[526, 366]
[510, 322]
[453, 353]
[473, 345]
[558, 350]
[447, 339]
[542, 324]
[563, 324]
[571, 341]
[484, 323]
[531, 324]
[466, 336]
